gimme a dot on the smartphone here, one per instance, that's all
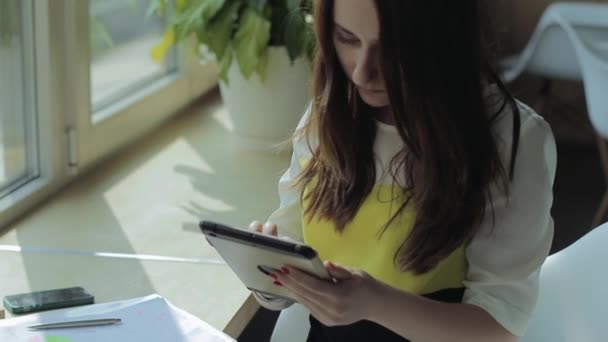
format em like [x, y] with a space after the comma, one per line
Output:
[254, 256]
[47, 300]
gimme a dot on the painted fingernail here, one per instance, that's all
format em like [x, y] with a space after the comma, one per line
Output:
[274, 276]
[285, 270]
[278, 283]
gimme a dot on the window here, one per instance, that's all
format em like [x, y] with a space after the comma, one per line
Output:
[122, 36]
[18, 138]
[74, 73]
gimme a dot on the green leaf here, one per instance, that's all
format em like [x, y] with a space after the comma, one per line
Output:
[217, 36]
[225, 63]
[259, 5]
[211, 8]
[195, 16]
[293, 4]
[180, 5]
[267, 12]
[296, 32]
[278, 19]
[157, 7]
[99, 30]
[188, 19]
[251, 40]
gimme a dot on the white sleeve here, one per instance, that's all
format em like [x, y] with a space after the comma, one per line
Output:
[288, 217]
[506, 255]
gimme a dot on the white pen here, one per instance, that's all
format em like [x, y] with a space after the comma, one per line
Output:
[76, 324]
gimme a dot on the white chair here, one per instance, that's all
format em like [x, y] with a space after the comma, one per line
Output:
[292, 325]
[571, 42]
[551, 51]
[573, 299]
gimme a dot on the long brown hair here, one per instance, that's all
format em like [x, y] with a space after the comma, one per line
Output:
[435, 64]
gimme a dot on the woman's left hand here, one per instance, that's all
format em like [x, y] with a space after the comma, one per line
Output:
[348, 299]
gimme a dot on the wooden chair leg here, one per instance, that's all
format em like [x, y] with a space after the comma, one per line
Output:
[602, 211]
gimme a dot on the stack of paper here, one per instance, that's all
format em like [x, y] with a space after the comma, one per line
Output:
[146, 319]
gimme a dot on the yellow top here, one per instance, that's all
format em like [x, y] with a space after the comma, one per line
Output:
[361, 245]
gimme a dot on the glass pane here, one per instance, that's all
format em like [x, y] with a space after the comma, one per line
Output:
[122, 38]
[16, 142]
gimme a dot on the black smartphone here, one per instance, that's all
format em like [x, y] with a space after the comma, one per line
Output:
[47, 300]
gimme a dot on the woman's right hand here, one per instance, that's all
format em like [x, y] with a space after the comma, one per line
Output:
[268, 228]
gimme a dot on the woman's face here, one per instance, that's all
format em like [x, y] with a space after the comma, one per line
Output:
[356, 38]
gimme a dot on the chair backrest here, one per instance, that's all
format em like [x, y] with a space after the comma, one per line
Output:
[590, 42]
[549, 53]
[571, 42]
[292, 325]
[573, 297]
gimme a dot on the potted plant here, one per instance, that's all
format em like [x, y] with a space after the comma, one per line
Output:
[263, 49]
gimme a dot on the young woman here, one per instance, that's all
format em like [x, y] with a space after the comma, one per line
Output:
[417, 177]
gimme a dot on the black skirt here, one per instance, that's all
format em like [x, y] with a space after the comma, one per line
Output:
[370, 331]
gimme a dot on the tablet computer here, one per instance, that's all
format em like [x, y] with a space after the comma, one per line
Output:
[253, 256]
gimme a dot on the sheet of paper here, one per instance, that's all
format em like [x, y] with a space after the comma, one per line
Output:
[146, 319]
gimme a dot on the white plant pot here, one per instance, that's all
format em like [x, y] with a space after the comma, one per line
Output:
[264, 114]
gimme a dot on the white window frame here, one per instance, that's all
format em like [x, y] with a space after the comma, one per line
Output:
[70, 139]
